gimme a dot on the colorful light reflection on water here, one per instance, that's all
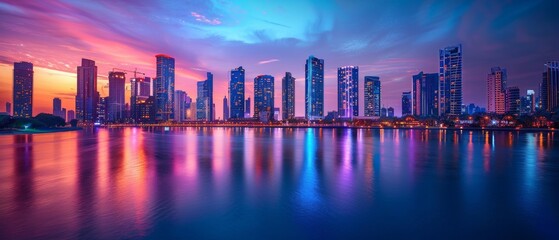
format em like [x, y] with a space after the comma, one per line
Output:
[279, 183]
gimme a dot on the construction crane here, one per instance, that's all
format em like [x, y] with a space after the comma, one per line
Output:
[127, 71]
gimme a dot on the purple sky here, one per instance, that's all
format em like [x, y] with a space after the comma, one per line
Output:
[390, 39]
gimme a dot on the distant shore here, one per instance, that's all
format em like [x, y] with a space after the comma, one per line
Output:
[333, 127]
[38, 131]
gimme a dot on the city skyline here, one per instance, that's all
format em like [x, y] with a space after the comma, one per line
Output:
[521, 45]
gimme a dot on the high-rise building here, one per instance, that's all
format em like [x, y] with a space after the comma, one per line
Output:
[102, 110]
[115, 102]
[372, 96]
[140, 91]
[550, 87]
[164, 86]
[237, 93]
[57, 107]
[530, 97]
[190, 108]
[247, 108]
[23, 89]
[288, 96]
[71, 115]
[264, 97]
[204, 100]
[87, 97]
[496, 90]
[390, 112]
[225, 109]
[406, 104]
[145, 109]
[180, 106]
[63, 114]
[314, 88]
[450, 80]
[425, 94]
[348, 91]
[9, 108]
[383, 112]
[512, 103]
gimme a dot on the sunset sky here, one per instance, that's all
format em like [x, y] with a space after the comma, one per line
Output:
[390, 39]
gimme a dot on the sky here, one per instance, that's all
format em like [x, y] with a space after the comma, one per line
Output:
[391, 39]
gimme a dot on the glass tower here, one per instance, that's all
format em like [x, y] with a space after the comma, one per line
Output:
[264, 96]
[372, 96]
[237, 93]
[425, 94]
[450, 80]
[164, 87]
[288, 96]
[348, 92]
[314, 88]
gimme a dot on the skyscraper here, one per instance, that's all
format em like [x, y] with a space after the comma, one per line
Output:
[406, 104]
[164, 86]
[71, 115]
[225, 109]
[180, 106]
[390, 112]
[531, 99]
[140, 91]
[288, 96]
[372, 96]
[550, 87]
[237, 93]
[450, 80]
[314, 88]
[496, 90]
[512, 103]
[57, 107]
[425, 94]
[204, 100]
[348, 92]
[247, 108]
[115, 102]
[264, 97]
[87, 96]
[63, 114]
[23, 89]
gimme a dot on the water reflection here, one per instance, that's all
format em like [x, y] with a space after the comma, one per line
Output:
[277, 183]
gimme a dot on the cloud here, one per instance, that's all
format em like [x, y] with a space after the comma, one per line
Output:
[204, 19]
[268, 61]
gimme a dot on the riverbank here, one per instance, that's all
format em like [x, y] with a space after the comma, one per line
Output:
[38, 131]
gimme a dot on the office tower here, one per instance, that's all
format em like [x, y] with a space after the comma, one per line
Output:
[390, 112]
[188, 105]
[425, 94]
[102, 110]
[63, 114]
[237, 93]
[314, 88]
[87, 96]
[383, 112]
[264, 97]
[247, 108]
[288, 96]
[145, 109]
[450, 80]
[23, 89]
[550, 87]
[348, 92]
[9, 108]
[204, 100]
[180, 106]
[530, 96]
[57, 107]
[276, 113]
[140, 91]
[115, 101]
[71, 115]
[164, 87]
[406, 104]
[226, 109]
[496, 90]
[512, 103]
[372, 96]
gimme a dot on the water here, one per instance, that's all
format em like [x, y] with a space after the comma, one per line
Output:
[251, 183]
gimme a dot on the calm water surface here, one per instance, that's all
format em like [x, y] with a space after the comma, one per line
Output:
[249, 183]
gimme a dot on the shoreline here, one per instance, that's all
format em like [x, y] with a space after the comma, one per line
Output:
[38, 131]
[336, 127]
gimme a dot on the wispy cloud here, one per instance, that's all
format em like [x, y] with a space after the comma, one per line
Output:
[204, 19]
[268, 61]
